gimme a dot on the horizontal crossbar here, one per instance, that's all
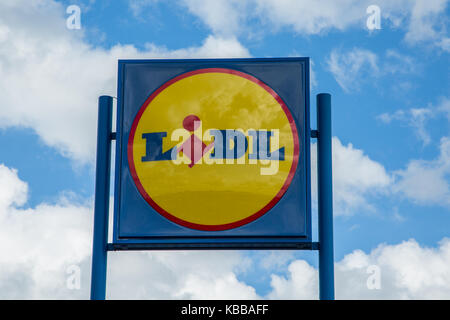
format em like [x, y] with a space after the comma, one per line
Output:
[213, 246]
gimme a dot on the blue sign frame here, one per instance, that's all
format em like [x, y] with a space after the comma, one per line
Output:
[132, 216]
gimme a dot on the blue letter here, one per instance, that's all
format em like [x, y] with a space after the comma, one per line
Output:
[153, 147]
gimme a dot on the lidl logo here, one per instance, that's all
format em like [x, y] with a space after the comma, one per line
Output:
[213, 149]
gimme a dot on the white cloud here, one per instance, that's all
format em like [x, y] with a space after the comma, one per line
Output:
[216, 286]
[350, 67]
[398, 63]
[308, 17]
[302, 283]
[427, 23]
[212, 47]
[355, 177]
[177, 275]
[427, 181]
[40, 244]
[422, 20]
[417, 118]
[406, 271]
[355, 67]
[231, 16]
[224, 17]
[273, 260]
[50, 79]
[16, 193]
[444, 107]
[136, 6]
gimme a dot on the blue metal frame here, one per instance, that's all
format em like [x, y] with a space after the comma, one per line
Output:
[101, 210]
[325, 197]
[212, 240]
[325, 244]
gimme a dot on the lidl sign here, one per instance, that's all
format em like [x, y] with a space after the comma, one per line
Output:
[213, 151]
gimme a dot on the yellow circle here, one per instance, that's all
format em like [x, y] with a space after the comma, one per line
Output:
[213, 196]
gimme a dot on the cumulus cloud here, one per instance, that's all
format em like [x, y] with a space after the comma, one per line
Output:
[222, 16]
[39, 244]
[50, 78]
[42, 245]
[445, 108]
[357, 66]
[16, 193]
[401, 271]
[136, 6]
[223, 286]
[231, 16]
[355, 178]
[301, 283]
[428, 23]
[427, 181]
[350, 67]
[212, 47]
[177, 275]
[406, 270]
[417, 118]
[423, 21]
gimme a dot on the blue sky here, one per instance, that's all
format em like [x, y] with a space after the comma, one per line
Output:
[391, 116]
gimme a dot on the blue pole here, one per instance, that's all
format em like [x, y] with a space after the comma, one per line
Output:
[325, 197]
[101, 217]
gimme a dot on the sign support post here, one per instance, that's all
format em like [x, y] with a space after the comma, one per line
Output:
[101, 216]
[325, 197]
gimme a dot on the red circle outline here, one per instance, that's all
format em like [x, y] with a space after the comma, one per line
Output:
[227, 226]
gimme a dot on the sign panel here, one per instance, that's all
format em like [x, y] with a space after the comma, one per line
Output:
[213, 151]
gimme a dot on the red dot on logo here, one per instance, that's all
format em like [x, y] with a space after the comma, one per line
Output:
[191, 122]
